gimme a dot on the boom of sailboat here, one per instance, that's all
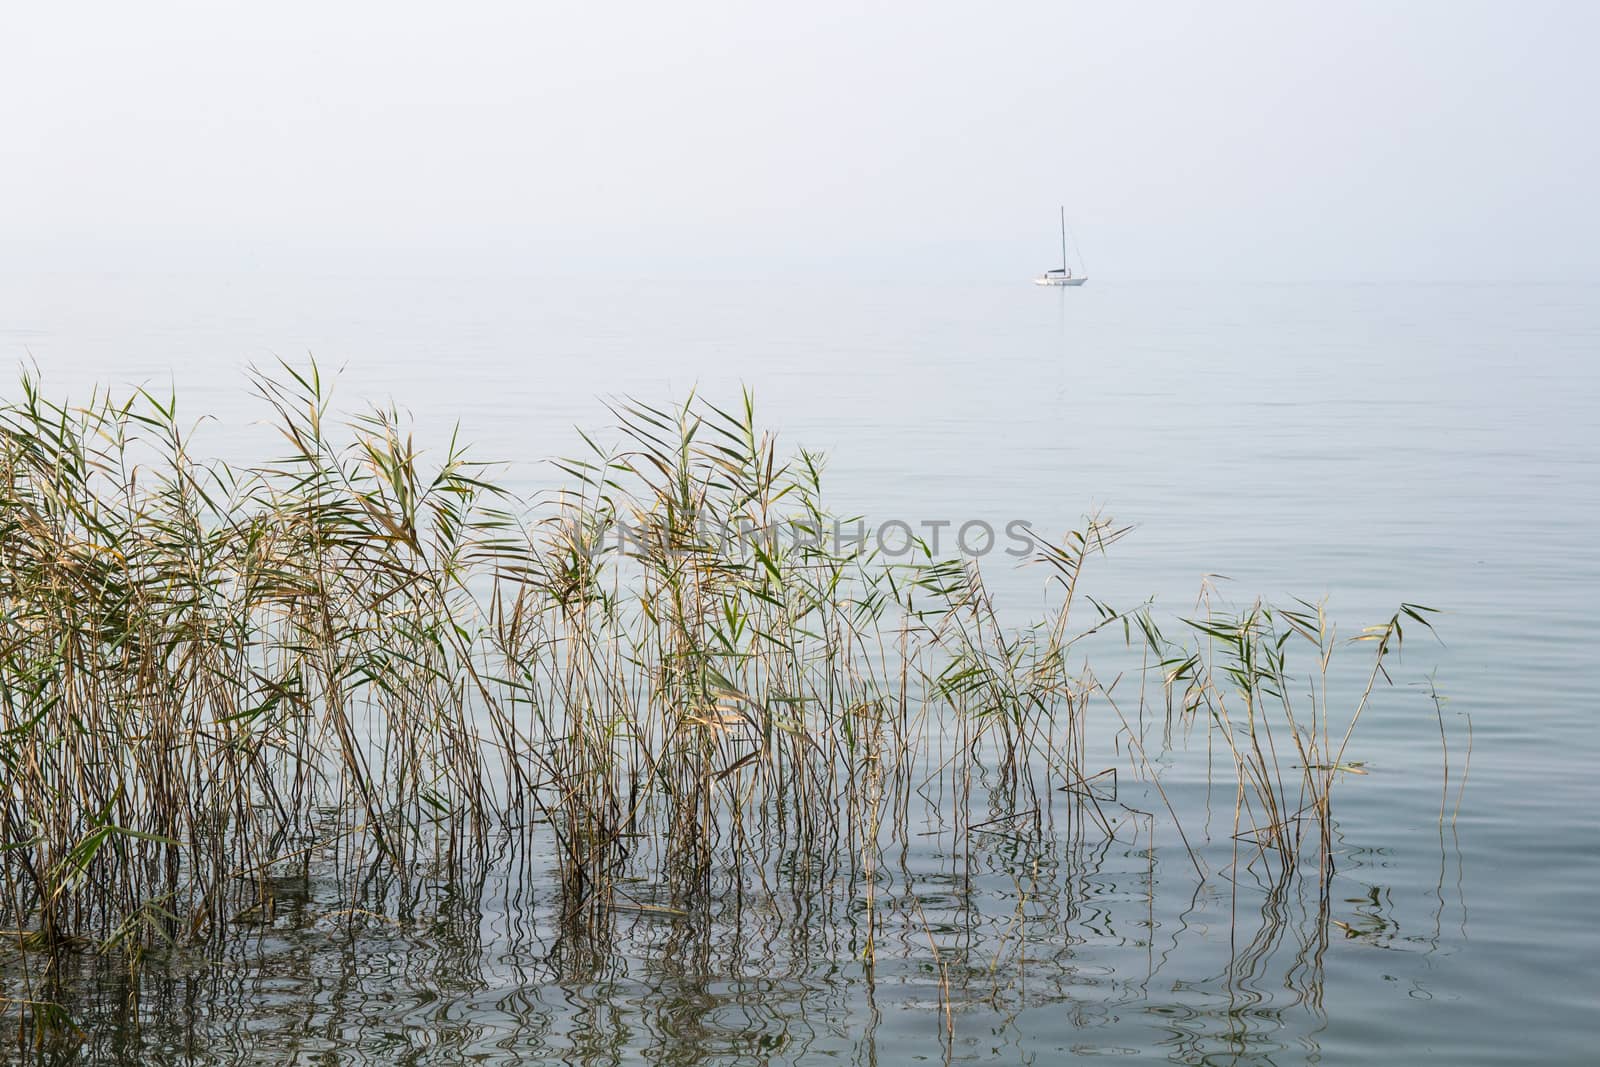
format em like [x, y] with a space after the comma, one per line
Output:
[1062, 275]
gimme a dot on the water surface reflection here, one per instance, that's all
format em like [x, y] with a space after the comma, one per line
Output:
[1007, 942]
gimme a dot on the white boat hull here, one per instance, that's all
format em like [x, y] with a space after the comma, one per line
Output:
[1048, 280]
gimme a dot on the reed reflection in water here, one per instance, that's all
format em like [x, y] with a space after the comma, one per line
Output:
[997, 942]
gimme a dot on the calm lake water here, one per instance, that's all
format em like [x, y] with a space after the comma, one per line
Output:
[1369, 444]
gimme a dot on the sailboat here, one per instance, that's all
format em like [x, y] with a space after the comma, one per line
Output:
[1062, 275]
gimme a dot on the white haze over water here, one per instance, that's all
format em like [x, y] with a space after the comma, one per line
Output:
[1251, 141]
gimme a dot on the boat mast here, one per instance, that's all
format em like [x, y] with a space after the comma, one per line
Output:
[1063, 240]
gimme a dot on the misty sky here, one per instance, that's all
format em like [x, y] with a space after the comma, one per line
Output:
[1421, 140]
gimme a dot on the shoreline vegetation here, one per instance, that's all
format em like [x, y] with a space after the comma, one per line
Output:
[354, 658]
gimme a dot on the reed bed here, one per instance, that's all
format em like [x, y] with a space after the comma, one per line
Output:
[356, 657]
